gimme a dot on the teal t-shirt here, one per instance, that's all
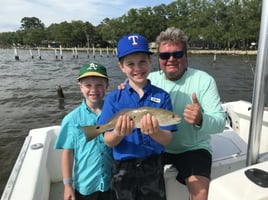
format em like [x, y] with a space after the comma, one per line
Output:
[92, 160]
[189, 137]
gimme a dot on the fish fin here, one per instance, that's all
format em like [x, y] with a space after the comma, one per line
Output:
[91, 131]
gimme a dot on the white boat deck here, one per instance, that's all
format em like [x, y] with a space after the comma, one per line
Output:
[56, 191]
[231, 160]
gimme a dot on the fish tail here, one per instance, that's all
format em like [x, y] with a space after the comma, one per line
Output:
[91, 131]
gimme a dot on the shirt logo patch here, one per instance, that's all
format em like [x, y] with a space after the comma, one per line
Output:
[154, 99]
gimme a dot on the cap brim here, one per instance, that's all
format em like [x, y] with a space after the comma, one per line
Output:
[135, 51]
[92, 74]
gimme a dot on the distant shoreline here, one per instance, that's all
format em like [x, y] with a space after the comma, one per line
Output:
[113, 50]
[224, 52]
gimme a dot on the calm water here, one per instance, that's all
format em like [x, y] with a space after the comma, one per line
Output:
[28, 97]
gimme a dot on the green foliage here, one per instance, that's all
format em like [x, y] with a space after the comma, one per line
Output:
[222, 24]
[31, 23]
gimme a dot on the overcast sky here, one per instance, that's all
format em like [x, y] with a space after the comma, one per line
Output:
[57, 11]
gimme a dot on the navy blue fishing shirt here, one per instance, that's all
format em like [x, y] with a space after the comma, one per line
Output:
[136, 144]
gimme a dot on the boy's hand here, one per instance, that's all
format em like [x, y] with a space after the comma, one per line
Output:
[149, 125]
[121, 86]
[124, 125]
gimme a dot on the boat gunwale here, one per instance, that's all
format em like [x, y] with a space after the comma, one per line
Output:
[16, 169]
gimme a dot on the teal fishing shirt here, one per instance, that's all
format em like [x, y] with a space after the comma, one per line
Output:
[189, 137]
[92, 160]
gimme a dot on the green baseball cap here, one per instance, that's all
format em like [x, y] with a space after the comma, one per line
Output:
[92, 69]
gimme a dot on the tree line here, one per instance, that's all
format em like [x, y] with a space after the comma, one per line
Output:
[210, 24]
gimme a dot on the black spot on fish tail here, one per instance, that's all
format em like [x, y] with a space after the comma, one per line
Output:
[98, 127]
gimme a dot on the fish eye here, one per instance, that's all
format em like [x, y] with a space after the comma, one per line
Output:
[98, 127]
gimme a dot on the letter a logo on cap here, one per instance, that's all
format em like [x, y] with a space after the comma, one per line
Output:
[92, 66]
[133, 38]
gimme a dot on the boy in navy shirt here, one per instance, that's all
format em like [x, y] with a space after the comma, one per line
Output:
[137, 152]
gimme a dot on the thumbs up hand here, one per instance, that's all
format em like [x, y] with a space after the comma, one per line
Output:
[192, 112]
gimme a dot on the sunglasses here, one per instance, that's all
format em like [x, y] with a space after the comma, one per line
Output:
[166, 55]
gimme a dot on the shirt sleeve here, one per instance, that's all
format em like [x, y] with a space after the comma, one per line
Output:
[212, 111]
[65, 139]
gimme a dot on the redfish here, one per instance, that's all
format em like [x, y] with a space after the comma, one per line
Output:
[164, 118]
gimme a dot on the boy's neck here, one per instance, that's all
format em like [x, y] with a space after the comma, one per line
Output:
[95, 107]
[138, 87]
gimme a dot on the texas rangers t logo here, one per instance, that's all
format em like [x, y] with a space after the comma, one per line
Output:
[133, 38]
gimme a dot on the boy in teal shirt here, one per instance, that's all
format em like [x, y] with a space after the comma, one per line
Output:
[90, 176]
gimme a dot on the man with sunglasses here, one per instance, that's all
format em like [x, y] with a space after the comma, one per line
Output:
[194, 96]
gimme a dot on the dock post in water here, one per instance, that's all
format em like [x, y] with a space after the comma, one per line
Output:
[100, 52]
[61, 56]
[87, 53]
[115, 51]
[93, 51]
[31, 54]
[56, 54]
[59, 92]
[39, 53]
[73, 52]
[214, 58]
[76, 54]
[107, 51]
[60, 97]
[16, 53]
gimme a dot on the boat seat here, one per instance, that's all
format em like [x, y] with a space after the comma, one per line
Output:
[228, 154]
